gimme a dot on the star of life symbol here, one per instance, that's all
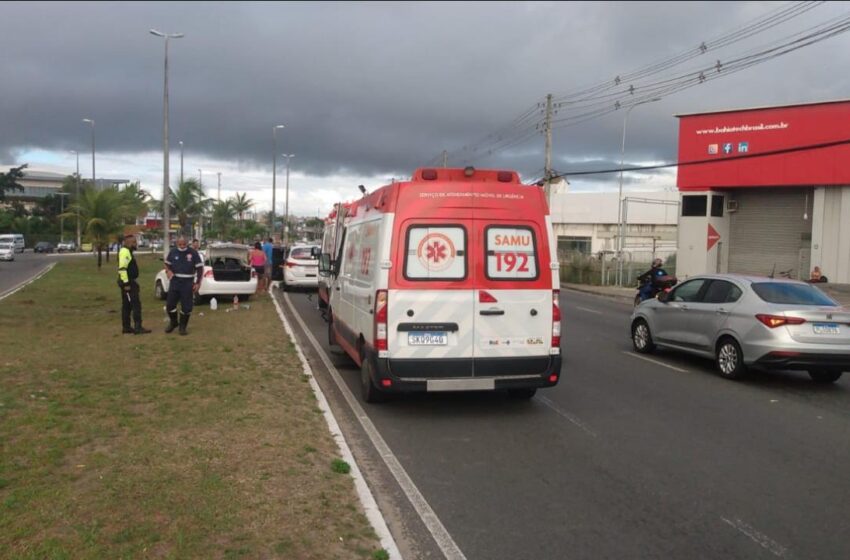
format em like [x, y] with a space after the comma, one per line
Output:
[436, 252]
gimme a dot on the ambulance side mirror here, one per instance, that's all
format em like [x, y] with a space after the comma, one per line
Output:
[325, 265]
[316, 252]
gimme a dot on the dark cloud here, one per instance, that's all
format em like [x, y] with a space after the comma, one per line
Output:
[372, 88]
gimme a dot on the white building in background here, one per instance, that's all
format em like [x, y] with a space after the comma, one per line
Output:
[587, 222]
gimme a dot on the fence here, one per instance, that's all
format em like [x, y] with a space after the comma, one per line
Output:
[601, 269]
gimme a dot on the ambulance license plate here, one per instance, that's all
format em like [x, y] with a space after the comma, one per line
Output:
[825, 328]
[439, 338]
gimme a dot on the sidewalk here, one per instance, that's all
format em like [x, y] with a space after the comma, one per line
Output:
[626, 295]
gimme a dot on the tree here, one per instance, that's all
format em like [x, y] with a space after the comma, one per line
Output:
[241, 204]
[188, 203]
[9, 180]
[222, 218]
[103, 214]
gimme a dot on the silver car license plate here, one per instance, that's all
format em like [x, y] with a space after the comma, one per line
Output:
[826, 328]
[438, 338]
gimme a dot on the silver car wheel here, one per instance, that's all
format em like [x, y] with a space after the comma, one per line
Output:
[727, 359]
[641, 336]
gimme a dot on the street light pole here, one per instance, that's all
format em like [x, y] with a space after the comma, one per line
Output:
[62, 196]
[91, 122]
[286, 207]
[620, 226]
[181, 162]
[274, 177]
[77, 181]
[166, 211]
[201, 178]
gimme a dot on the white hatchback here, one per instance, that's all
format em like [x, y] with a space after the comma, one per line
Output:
[301, 269]
[226, 273]
[7, 252]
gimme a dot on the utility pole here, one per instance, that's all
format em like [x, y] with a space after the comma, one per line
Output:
[181, 162]
[274, 177]
[547, 128]
[219, 186]
[445, 159]
[286, 208]
[77, 181]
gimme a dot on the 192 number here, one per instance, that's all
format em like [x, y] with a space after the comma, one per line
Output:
[510, 262]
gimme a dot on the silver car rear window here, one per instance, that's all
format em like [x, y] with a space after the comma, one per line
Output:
[792, 294]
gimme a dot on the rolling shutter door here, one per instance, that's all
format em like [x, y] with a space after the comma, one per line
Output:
[768, 230]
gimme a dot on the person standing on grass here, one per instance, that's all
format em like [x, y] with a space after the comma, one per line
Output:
[185, 270]
[268, 246]
[128, 272]
[258, 263]
[196, 245]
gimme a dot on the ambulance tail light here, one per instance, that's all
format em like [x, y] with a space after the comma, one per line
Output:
[381, 321]
[556, 319]
[208, 273]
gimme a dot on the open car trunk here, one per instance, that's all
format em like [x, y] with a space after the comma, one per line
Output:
[229, 263]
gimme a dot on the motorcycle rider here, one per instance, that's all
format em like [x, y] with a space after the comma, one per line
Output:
[649, 280]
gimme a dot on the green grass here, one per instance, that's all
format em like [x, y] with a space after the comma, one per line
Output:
[160, 446]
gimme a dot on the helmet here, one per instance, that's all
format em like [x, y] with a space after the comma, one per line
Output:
[657, 262]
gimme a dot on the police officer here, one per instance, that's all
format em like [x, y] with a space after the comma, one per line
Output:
[128, 272]
[185, 269]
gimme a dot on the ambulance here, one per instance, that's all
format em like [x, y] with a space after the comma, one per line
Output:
[447, 282]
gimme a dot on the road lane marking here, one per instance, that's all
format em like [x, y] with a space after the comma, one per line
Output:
[429, 518]
[568, 416]
[656, 362]
[589, 310]
[759, 538]
[370, 506]
[26, 283]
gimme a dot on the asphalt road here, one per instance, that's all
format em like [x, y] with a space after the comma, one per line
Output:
[25, 266]
[625, 458]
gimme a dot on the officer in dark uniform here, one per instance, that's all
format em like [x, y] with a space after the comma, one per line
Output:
[184, 269]
[128, 272]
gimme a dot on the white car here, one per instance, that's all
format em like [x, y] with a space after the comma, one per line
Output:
[226, 274]
[301, 269]
[66, 246]
[7, 251]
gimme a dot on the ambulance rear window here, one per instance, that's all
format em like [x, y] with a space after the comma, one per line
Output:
[435, 252]
[511, 253]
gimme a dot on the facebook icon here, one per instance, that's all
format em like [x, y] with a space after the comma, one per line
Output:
[727, 148]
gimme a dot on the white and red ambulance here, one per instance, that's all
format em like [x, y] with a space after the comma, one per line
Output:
[447, 282]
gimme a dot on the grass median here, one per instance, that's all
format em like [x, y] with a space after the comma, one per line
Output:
[161, 446]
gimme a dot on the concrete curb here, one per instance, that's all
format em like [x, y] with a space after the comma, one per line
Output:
[370, 506]
[611, 295]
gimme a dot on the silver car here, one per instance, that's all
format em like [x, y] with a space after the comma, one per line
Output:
[744, 321]
[7, 252]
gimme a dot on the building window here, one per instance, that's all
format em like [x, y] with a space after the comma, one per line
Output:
[694, 205]
[717, 206]
[574, 245]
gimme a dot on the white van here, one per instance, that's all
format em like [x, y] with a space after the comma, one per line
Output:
[16, 239]
[447, 282]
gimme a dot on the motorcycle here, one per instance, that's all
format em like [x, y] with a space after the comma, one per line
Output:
[660, 284]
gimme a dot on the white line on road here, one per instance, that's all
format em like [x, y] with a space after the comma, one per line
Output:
[25, 283]
[570, 417]
[762, 540]
[370, 506]
[429, 518]
[589, 310]
[656, 362]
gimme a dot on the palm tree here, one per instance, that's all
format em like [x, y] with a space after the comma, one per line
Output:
[222, 217]
[189, 203]
[241, 204]
[103, 214]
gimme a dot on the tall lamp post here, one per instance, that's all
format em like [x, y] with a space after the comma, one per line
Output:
[286, 207]
[201, 178]
[166, 203]
[62, 196]
[620, 226]
[77, 181]
[274, 177]
[91, 122]
[181, 162]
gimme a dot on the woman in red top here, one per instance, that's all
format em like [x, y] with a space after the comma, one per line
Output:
[257, 258]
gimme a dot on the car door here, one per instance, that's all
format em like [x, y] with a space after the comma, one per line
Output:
[708, 315]
[672, 318]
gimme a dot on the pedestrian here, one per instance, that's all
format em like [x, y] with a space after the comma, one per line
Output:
[258, 262]
[128, 272]
[196, 244]
[185, 270]
[268, 248]
[816, 275]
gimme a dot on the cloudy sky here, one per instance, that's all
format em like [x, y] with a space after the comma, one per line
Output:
[370, 91]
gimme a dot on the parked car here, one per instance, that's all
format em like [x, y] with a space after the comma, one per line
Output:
[7, 251]
[744, 321]
[16, 239]
[301, 269]
[43, 247]
[226, 274]
[66, 246]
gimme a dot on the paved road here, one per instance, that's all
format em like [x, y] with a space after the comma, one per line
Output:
[25, 266]
[625, 458]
